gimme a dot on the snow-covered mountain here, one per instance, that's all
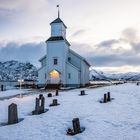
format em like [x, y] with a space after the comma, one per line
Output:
[99, 75]
[14, 70]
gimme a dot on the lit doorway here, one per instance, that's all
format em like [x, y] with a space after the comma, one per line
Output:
[54, 77]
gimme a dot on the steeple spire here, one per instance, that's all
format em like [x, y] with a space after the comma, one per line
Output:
[58, 11]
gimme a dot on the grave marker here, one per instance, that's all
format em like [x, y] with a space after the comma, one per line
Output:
[57, 93]
[12, 114]
[108, 96]
[76, 127]
[105, 98]
[49, 94]
[39, 105]
[54, 103]
[2, 88]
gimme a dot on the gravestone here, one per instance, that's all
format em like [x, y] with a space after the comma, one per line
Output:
[76, 125]
[105, 98]
[37, 102]
[2, 88]
[40, 96]
[42, 107]
[12, 114]
[137, 84]
[49, 94]
[54, 103]
[39, 105]
[82, 92]
[108, 96]
[57, 93]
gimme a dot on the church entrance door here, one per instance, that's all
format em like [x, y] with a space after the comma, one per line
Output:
[54, 77]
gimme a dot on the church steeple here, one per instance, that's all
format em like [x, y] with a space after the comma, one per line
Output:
[58, 28]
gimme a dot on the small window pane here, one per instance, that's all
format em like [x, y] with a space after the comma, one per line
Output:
[55, 61]
[69, 59]
[69, 75]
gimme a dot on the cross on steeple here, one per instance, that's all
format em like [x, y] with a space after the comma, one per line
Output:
[58, 11]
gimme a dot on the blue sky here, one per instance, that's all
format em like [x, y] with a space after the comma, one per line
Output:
[106, 32]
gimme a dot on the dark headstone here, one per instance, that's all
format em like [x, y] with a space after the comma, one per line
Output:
[76, 125]
[105, 98]
[57, 93]
[82, 92]
[49, 94]
[39, 106]
[2, 88]
[54, 103]
[12, 114]
[42, 107]
[40, 96]
[137, 84]
[108, 96]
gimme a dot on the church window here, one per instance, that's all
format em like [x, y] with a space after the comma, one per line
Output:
[69, 75]
[55, 61]
[69, 59]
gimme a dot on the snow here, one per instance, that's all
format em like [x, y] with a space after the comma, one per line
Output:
[13, 92]
[99, 75]
[15, 70]
[116, 120]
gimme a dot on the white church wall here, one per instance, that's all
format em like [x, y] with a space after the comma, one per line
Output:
[41, 75]
[78, 62]
[73, 78]
[59, 50]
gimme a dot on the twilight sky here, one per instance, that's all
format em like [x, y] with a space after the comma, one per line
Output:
[106, 32]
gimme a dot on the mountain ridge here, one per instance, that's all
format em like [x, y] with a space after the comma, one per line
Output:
[14, 70]
[99, 75]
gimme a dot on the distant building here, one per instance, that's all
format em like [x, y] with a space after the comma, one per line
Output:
[61, 65]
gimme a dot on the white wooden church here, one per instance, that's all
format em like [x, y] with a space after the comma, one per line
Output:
[61, 65]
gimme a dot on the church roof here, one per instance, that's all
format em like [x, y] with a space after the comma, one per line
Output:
[44, 57]
[58, 20]
[82, 58]
[57, 38]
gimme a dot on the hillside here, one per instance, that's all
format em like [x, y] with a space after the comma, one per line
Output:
[99, 75]
[14, 70]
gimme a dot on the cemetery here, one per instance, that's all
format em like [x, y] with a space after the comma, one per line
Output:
[110, 112]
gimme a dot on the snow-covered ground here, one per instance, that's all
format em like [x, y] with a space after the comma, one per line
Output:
[116, 120]
[13, 92]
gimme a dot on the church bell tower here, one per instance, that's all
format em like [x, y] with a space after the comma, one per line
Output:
[57, 52]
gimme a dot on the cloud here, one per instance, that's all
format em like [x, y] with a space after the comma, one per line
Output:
[22, 52]
[79, 32]
[124, 51]
[108, 43]
[130, 34]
